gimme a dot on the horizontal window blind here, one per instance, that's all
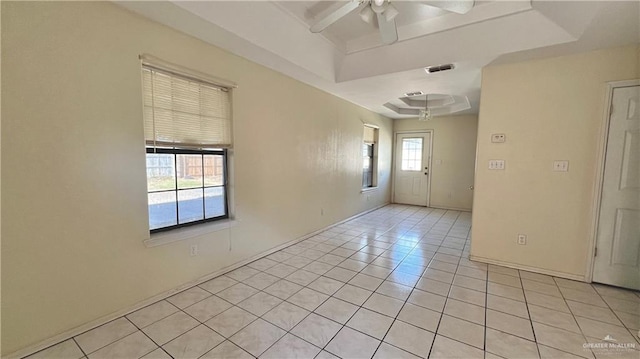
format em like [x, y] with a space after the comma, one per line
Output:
[181, 111]
[369, 134]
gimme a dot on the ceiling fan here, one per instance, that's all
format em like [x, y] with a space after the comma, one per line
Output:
[385, 14]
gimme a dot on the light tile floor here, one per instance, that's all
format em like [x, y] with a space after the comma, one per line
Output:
[395, 283]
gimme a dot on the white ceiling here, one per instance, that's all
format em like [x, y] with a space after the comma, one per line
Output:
[349, 61]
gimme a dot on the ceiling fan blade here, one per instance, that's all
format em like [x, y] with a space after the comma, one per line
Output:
[334, 16]
[457, 6]
[388, 29]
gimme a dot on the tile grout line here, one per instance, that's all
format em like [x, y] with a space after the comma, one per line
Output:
[526, 305]
[359, 272]
[405, 302]
[334, 266]
[330, 296]
[444, 306]
[84, 355]
[635, 336]
[370, 295]
[486, 305]
[153, 341]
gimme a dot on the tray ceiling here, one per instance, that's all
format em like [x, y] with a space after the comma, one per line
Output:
[349, 61]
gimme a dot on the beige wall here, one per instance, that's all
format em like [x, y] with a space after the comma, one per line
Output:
[454, 143]
[550, 110]
[73, 179]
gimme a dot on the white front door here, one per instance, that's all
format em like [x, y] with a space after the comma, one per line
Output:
[617, 260]
[413, 154]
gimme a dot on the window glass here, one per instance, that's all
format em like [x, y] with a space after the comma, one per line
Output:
[411, 154]
[185, 187]
[369, 157]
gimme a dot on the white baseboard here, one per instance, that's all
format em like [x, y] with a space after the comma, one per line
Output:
[528, 268]
[452, 208]
[105, 319]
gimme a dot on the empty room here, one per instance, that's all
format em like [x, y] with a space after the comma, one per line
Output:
[320, 179]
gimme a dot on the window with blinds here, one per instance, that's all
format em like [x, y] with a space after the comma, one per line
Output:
[187, 129]
[369, 157]
[180, 111]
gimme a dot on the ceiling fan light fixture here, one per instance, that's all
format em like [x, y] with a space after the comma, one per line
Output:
[379, 8]
[367, 14]
[391, 12]
[378, 2]
[424, 115]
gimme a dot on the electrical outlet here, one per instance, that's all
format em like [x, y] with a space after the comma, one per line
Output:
[498, 137]
[194, 250]
[522, 239]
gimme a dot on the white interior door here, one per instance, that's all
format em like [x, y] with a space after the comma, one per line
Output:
[411, 182]
[617, 261]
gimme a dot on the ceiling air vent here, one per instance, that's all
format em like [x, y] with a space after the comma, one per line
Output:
[439, 68]
[415, 93]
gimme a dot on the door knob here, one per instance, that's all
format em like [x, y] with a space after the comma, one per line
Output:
[471, 188]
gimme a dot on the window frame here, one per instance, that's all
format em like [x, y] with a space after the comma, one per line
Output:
[370, 147]
[225, 180]
[422, 160]
[177, 142]
[374, 158]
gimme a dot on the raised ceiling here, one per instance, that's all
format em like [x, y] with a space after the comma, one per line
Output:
[349, 60]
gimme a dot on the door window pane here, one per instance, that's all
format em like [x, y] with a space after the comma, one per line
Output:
[411, 154]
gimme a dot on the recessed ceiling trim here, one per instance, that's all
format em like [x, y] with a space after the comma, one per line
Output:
[479, 13]
[529, 29]
[437, 102]
[448, 105]
[263, 33]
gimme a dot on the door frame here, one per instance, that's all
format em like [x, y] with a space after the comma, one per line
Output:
[600, 164]
[394, 154]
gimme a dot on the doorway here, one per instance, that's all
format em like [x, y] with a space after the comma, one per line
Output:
[617, 251]
[412, 168]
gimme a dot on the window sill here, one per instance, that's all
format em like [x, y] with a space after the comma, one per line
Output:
[368, 189]
[158, 239]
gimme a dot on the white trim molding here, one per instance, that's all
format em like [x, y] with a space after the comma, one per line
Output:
[528, 268]
[369, 189]
[451, 208]
[179, 234]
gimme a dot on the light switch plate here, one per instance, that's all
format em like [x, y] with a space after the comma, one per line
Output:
[561, 166]
[496, 164]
